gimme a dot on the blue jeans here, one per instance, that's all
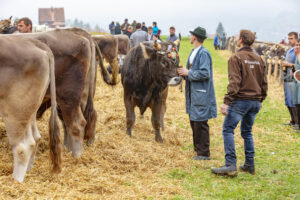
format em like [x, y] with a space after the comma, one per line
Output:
[246, 111]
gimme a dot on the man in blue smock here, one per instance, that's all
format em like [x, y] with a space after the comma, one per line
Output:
[290, 59]
[199, 93]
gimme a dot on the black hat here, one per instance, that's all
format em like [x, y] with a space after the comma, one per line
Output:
[200, 32]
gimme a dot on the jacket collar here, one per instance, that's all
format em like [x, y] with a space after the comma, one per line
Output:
[245, 49]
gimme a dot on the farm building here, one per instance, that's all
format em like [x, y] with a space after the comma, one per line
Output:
[52, 17]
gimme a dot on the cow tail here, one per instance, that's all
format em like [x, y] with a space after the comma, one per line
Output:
[90, 114]
[54, 133]
[106, 77]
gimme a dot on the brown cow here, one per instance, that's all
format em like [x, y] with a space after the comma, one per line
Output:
[75, 70]
[26, 67]
[146, 74]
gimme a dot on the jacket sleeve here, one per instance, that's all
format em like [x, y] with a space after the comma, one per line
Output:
[202, 72]
[234, 77]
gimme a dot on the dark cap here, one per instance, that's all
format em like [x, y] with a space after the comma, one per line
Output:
[200, 32]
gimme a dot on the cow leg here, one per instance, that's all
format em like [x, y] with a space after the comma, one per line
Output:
[20, 137]
[37, 136]
[163, 108]
[74, 125]
[155, 119]
[130, 115]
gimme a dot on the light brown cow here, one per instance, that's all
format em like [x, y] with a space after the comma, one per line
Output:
[75, 71]
[26, 67]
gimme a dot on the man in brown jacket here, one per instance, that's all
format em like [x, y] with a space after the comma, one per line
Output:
[246, 90]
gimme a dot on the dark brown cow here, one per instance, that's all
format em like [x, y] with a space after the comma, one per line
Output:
[75, 70]
[146, 74]
[26, 67]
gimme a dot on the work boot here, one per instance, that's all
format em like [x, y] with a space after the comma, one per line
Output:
[289, 124]
[229, 170]
[248, 168]
[200, 158]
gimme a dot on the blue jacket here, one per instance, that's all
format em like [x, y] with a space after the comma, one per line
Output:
[199, 89]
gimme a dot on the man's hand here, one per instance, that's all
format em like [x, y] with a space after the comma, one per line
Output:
[182, 71]
[286, 64]
[224, 109]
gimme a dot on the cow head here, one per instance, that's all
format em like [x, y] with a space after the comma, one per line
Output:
[5, 24]
[164, 62]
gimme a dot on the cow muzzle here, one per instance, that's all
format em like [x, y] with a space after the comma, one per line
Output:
[175, 81]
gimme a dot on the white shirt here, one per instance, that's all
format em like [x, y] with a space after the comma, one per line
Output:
[194, 53]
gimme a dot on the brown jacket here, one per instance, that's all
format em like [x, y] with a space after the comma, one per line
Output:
[247, 77]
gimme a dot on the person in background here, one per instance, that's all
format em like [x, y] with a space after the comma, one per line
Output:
[112, 28]
[124, 26]
[288, 64]
[129, 31]
[246, 90]
[25, 25]
[172, 37]
[296, 95]
[117, 28]
[156, 38]
[223, 40]
[138, 36]
[155, 28]
[199, 93]
[133, 26]
[150, 33]
[144, 28]
[216, 41]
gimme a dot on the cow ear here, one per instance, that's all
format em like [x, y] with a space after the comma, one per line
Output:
[147, 52]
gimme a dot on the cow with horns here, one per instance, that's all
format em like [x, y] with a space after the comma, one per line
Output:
[147, 71]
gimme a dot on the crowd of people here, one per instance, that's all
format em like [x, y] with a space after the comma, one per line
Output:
[139, 32]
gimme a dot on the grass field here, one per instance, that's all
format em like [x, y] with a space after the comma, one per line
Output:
[277, 148]
[119, 167]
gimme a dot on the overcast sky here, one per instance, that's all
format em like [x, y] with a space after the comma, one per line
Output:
[270, 19]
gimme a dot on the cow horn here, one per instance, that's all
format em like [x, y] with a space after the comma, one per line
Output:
[156, 45]
[145, 54]
[177, 42]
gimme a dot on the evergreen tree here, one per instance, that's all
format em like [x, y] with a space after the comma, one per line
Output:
[220, 29]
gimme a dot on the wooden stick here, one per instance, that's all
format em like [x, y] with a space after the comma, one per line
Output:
[276, 67]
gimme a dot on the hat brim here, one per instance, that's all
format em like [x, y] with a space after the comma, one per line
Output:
[204, 37]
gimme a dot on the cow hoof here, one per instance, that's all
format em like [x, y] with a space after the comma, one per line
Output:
[128, 133]
[159, 139]
[89, 142]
